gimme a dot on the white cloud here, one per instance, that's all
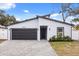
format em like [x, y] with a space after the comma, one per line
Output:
[18, 19]
[26, 11]
[69, 19]
[7, 6]
[56, 16]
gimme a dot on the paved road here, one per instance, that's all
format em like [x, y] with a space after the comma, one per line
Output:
[26, 48]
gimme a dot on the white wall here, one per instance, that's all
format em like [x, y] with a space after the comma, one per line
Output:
[27, 24]
[51, 27]
[67, 28]
[3, 33]
[45, 22]
[75, 34]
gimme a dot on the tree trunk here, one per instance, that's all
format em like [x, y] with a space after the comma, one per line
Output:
[63, 17]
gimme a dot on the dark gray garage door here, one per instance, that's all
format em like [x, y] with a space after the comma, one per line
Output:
[24, 34]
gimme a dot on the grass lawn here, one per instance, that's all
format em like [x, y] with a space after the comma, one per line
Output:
[66, 48]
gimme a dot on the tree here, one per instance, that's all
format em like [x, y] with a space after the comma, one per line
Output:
[75, 20]
[6, 19]
[74, 13]
[9, 20]
[77, 25]
[2, 17]
[65, 10]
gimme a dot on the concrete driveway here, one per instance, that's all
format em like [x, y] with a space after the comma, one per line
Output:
[26, 48]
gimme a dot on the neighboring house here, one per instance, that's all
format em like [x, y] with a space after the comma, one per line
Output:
[3, 32]
[38, 28]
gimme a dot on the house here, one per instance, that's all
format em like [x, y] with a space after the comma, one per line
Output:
[3, 32]
[38, 28]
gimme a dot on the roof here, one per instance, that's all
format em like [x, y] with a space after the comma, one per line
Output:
[22, 21]
[57, 21]
[44, 17]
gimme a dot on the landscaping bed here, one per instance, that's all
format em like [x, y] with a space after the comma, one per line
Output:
[68, 48]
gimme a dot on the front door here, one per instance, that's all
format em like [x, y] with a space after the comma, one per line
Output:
[43, 32]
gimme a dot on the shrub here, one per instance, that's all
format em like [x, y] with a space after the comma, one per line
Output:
[67, 38]
[59, 38]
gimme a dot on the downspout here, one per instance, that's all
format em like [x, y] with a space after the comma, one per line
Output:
[71, 30]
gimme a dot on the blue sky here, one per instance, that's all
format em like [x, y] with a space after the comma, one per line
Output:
[24, 11]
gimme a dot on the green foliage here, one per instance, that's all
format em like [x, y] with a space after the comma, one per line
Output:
[76, 27]
[75, 20]
[6, 19]
[67, 38]
[59, 38]
[59, 35]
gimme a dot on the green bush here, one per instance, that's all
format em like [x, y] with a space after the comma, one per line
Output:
[67, 38]
[59, 38]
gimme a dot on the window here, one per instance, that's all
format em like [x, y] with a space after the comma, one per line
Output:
[60, 31]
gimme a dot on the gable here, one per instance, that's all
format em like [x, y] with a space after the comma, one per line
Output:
[46, 20]
[57, 21]
[43, 21]
[26, 24]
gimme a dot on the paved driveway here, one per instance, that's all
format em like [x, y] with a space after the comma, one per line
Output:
[26, 48]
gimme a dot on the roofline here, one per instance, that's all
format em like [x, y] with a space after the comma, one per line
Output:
[56, 20]
[23, 21]
[43, 18]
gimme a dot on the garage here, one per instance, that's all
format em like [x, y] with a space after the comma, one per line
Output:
[24, 34]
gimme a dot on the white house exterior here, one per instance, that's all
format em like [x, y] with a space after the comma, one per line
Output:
[3, 33]
[45, 28]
